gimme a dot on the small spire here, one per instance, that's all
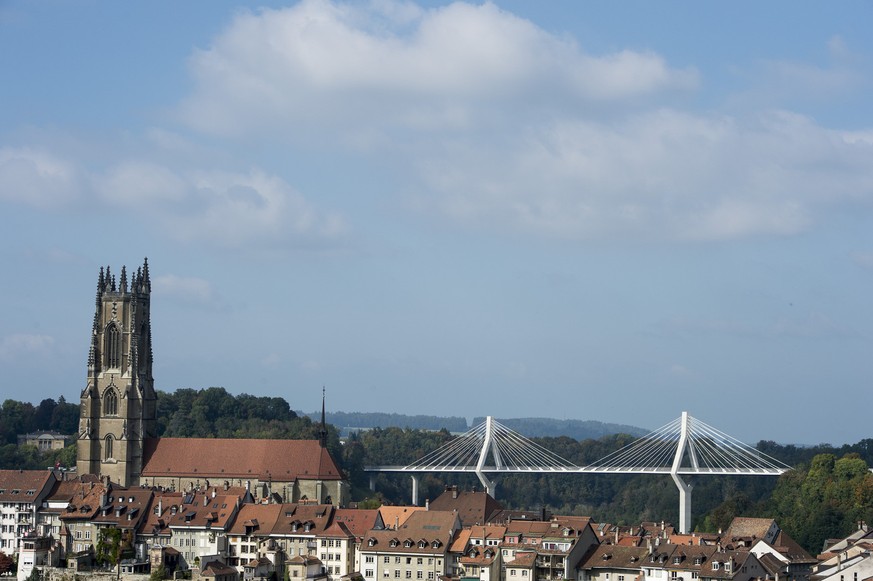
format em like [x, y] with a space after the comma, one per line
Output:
[322, 432]
[147, 281]
[123, 279]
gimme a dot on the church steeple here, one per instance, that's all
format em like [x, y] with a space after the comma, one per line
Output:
[119, 401]
[322, 431]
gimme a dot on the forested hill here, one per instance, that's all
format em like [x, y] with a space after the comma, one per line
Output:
[576, 429]
[348, 422]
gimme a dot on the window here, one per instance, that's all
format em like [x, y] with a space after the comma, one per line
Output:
[409, 574]
[369, 559]
[715, 565]
[107, 447]
[397, 573]
[386, 559]
[524, 573]
[420, 561]
[386, 573]
[113, 347]
[419, 574]
[512, 572]
[368, 573]
[110, 403]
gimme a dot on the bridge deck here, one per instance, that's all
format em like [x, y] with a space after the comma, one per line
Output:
[578, 470]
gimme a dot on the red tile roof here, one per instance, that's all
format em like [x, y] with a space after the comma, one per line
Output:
[23, 485]
[276, 460]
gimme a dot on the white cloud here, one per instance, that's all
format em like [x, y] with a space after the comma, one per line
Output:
[662, 174]
[36, 177]
[385, 66]
[506, 126]
[22, 344]
[220, 207]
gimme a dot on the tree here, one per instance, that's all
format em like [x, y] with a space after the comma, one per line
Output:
[108, 550]
[158, 573]
[7, 565]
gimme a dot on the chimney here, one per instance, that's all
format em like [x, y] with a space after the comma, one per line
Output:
[455, 492]
[426, 504]
[396, 522]
[205, 500]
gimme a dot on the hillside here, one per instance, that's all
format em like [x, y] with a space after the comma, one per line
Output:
[347, 422]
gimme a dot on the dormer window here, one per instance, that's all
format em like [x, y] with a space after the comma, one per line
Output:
[393, 543]
[677, 559]
[422, 544]
[371, 542]
[436, 544]
[715, 565]
[407, 543]
[698, 560]
[727, 566]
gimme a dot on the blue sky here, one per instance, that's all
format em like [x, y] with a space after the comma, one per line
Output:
[611, 211]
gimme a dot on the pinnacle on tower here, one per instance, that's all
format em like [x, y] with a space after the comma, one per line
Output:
[123, 279]
[145, 274]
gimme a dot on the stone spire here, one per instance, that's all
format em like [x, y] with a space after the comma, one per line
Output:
[322, 432]
[123, 279]
[147, 281]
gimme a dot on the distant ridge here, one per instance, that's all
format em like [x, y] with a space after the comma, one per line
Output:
[531, 427]
[576, 429]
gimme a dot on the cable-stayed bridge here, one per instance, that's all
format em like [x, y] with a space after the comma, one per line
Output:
[683, 448]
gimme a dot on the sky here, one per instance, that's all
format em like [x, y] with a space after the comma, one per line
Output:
[613, 211]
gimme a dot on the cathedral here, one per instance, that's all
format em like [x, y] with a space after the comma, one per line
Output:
[117, 428]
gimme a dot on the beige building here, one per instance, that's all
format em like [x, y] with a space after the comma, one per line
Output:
[44, 441]
[417, 550]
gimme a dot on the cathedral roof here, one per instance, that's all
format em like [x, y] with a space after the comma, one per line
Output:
[266, 460]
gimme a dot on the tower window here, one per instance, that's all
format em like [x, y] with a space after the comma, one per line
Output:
[110, 403]
[113, 346]
[107, 448]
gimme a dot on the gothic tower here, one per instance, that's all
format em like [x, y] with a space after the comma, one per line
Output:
[118, 402]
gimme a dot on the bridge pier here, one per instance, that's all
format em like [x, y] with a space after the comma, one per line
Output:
[415, 478]
[684, 487]
[684, 504]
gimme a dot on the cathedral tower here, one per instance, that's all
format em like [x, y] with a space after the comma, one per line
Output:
[118, 402]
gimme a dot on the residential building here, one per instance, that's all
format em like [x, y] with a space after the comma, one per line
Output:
[44, 441]
[418, 549]
[473, 507]
[199, 525]
[612, 562]
[21, 494]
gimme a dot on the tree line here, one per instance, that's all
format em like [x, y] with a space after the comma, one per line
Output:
[827, 493]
